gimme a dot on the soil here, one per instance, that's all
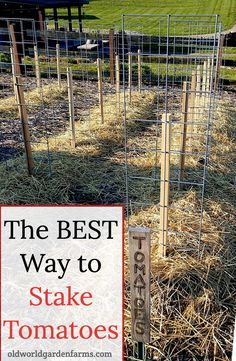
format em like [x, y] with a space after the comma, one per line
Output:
[45, 119]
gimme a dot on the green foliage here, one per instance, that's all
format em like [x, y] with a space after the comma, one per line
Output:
[102, 14]
[72, 61]
[228, 74]
[28, 60]
[5, 58]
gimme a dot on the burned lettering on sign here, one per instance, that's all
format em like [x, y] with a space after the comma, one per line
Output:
[139, 244]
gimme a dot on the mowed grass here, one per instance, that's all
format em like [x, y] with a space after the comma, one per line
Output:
[103, 14]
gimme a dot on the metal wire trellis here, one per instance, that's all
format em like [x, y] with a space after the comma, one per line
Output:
[182, 73]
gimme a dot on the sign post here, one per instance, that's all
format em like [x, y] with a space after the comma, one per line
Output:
[139, 250]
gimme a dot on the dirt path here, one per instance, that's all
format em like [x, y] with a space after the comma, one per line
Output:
[45, 120]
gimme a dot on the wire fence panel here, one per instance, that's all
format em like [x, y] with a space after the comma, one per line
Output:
[180, 73]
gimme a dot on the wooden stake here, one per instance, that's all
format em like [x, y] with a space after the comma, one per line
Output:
[208, 81]
[208, 75]
[111, 55]
[204, 80]
[198, 91]
[219, 62]
[139, 71]
[118, 84]
[13, 69]
[13, 72]
[183, 132]
[71, 106]
[204, 76]
[37, 67]
[130, 77]
[16, 57]
[58, 65]
[139, 252]
[25, 126]
[100, 88]
[192, 104]
[165, 184]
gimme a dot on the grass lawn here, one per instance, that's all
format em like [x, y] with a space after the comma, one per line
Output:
[151, 72]
[104, 14]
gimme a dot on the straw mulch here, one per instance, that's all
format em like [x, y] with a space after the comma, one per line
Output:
[193, 289]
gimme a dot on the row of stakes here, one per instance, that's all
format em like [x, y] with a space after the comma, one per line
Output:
[195, 96]
[200, 84]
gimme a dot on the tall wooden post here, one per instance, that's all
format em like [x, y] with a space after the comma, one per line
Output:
[139, 252]
[13, 67]
[204, 81]
[41, 16]
[139, 71]
[192, 110]
[37, 67]
[118, 84]
[71, 106]
[80, 19]
[100, 88]
[130, 76]
[204, 76]
[25, 126]
[111, 55]
[16, 56]
[165, 184]
[58, 65]
[208, 80]
[69, 19]
[208, 74]
[183, 138]
[55, 18]
[219, 62]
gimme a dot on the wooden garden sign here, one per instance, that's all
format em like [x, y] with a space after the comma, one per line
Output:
[139, 249]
